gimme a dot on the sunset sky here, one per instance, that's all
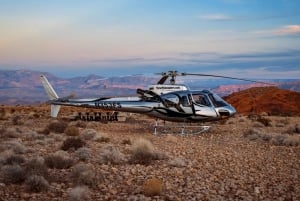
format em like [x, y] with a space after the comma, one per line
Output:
[244, 38]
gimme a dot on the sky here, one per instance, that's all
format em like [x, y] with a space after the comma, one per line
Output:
[242, 38]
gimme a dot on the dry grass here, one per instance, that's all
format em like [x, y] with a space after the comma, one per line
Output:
[13, 174]
[110, 154]
[275, 139]
[58, 160]
[57, 126]
[153, 187]
[79, 193]
[71, 131]
[83, 175]
[143, 152]
[37, 183]
[72, 143]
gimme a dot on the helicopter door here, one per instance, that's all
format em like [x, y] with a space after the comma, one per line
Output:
[186, 104]
[203, 106]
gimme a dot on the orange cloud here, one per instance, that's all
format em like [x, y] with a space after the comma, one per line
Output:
[288, 30]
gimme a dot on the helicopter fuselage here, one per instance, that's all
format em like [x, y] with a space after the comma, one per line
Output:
[181, 106]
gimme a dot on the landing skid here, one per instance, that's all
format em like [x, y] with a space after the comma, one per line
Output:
[182, 129]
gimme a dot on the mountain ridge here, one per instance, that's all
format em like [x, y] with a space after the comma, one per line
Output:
[24, 86]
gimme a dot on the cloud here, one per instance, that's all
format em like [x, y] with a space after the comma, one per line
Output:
[288, 30]
[215, 17]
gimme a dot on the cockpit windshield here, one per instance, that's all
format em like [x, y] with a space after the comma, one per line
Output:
[217, 100]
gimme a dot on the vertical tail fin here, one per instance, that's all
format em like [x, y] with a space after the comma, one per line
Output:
[51, 94]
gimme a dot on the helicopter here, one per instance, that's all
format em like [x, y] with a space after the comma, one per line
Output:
[169, 102]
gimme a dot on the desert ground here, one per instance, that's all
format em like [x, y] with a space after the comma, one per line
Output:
[253, 157]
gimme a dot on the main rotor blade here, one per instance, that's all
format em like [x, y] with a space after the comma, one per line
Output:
[163, 79]
[227, 77]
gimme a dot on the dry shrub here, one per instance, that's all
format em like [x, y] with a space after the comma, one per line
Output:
[14, 160]
[36, 166]
[16, 146]
[79, 193]
[103, 138]
[13, 174]
[275, 139]
[293, 129]
[177, 162]
[153, 187]
[285, 140]
[72, 131]
[17, 120]
[143, 152]
[72, 143]
[110, 154]
[83, 153]
[10, 132]
[37, 183]
[242, 119]
[264, 121]
[126, 142]
[58, 160]
[83, 175]
[3, 114]
[88, 134]
[258, 125]
[57, 126]
[253, 134]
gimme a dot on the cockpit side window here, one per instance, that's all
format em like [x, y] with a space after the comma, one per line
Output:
[185, 101]
[201, 99]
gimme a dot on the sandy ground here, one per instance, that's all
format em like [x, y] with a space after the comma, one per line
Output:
[238, 159]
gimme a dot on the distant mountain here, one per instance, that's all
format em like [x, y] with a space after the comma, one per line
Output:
[271, 100]
[24, 86]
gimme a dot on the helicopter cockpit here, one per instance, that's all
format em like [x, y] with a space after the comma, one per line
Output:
[211, 103]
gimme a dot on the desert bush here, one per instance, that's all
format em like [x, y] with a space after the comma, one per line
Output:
[83, 153]
[292, 140]
[253, 134]
[177, 162]
[83, 175]
[258, 125]
[72, 131]
[37, 183]
[14, 160]
[17, 120]
[143, 152]
[79, 193]
[110, 154]
[242, 119]
[72, 143]
[13, 174]
[126, 141]
[88, 134]
[58, 160]
[103, 138]
[293, 129]
[16, 146]
[153, 187]
[36, 166]
[3, 114]
[264, 121]
[57, 126]
[10, 132]
[285, 140]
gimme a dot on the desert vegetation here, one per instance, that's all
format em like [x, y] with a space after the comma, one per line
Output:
[254, 157]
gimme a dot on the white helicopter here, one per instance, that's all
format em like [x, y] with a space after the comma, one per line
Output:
[170, 102]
